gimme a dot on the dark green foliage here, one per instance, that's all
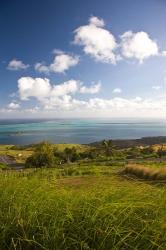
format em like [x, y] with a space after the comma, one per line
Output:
[133, 152]
[67, 155]
[161, 152]
[70, 155]
[147, 150]
[42, 157]
[90, 154]
[108, 147]
[49, 155]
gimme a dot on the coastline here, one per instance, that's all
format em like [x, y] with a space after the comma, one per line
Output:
[80, 131]
[119, 143]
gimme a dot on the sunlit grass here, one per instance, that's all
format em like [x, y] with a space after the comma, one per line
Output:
[147, 173]
[80, 207]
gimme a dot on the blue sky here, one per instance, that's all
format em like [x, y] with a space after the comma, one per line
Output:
[82, 58]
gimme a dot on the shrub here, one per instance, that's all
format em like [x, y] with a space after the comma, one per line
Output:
[161, 152]
[42, 157]
[67, 156]
[147, 150]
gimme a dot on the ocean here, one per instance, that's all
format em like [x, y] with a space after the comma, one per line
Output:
[27, 131]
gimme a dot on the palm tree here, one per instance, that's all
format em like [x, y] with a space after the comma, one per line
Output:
[108, 147]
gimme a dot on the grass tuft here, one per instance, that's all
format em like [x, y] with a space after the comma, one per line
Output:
[146, 173]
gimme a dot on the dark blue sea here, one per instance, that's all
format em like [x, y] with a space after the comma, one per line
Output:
[83, 131]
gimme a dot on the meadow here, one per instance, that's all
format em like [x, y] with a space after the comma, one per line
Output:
[84, 204]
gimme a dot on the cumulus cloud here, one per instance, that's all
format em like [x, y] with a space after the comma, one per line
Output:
[42, 89]
[138, 45]
[62, 97]
[97, 41]
[17, 65]
[51, 95]
[117, 91]
[62, 62]
[33, 87]
[69, 87]
[13, 105]
[95, 88]
[42, 68]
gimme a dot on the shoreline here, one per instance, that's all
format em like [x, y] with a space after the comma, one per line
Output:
[121, 143]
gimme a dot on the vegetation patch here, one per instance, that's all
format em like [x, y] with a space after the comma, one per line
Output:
[39, 210]
[71, 197]
[3, 166]
[147, 173]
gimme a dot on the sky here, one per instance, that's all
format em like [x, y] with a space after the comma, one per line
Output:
[90, 58]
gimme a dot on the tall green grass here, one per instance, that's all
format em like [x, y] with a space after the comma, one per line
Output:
[147, 173]
[44, 210]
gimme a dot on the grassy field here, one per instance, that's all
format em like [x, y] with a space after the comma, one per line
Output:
[80, 207]
[89, 198]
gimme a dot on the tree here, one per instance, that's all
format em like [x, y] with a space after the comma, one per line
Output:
[147, 150]
[67, 155]
[42, 157]
[161, 152]
[70, 154]
[108, 147]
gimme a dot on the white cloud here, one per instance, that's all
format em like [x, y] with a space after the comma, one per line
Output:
[96, 21]
[50, 95]
[42, 89]
[97, 41]
[62, 62]
[69, 87]
[33, 87]
[57, 51]
[115, 107]
[95, 88]
[68, 106]
[17, 65]
[117, 91]
[157, 87]
[61, 98]
[13, 105]
[42, 68]
[138, 45]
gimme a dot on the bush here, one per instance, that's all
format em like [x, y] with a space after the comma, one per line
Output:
[147, 150]
[161, 152]
[42, 157]
[67, 156]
